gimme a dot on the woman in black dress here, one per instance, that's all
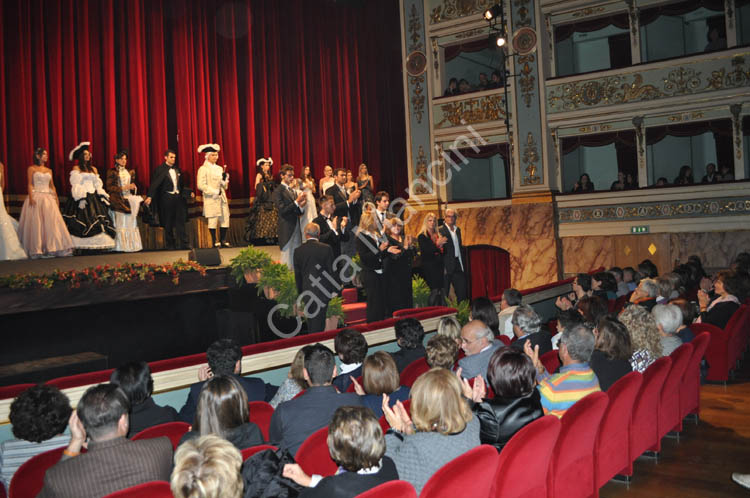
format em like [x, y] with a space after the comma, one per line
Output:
[373, 249]
[262, 221]
[397, 267]
[431, 248]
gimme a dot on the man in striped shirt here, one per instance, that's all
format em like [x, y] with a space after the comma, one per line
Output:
[575, 380]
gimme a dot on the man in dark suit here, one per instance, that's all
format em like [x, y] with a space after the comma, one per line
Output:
[527, 325]
[112, 462]
[224, 358]
[409, 337]
[343, 202]
[453, 258]
[169, 197]
[313, 271]
[333, 230]
[294, 420]
[289, 204]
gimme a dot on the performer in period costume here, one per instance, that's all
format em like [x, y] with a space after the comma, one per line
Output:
[169, 195]
[262, 222]
[290, 203]
[86, 213]
[124, 204]
[10, 246]
[213, 181]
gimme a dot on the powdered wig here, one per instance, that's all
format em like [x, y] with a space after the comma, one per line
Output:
[437, 404]
[207, 467]
[643, 331]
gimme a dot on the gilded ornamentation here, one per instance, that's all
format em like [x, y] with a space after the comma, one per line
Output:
[530, 158]
[634, 22]
[595, 128]
[656, 210]
[440, 162]
[588, 11]
[688, 116]
[421, 172]
[453, 9]
[681, 81]
[435, 57]
[415, 30]
[735, 110]
[609, 90]
[729, 6]
[471, 111]
[638, 125]
[522, 18]
[738, 76]
[527, 80]
[471, 33]
[417, 98]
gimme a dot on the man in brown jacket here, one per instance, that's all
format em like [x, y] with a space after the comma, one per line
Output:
[112, 462]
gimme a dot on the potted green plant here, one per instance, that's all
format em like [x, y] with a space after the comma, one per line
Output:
[420, 291]
[271, 277]
[334, 313]
[463, 310]
[248, 264]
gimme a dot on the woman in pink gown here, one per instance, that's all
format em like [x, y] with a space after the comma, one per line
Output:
[41, 229]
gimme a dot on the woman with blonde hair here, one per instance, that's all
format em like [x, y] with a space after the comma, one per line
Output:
[449, 327]
[644, 336]
[441, 427]
[207, 467]
[327, 180]
[295, 381]
[431, 248]
[365, 183]
[372, 249]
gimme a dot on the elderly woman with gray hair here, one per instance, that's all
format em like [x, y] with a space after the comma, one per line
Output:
[644, 337]
[645, 294]
[668, 319]
[527, 326]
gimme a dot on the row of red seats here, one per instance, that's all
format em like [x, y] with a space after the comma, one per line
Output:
[727, 345]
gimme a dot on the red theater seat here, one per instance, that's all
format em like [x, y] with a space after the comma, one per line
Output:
[391, 489]
[248, 452]
[9, 392]
[467, 475]
[413, 370]
[551, 361]
[669, 404]
[613, 443]
[571, 473]
[384, 423]
[515, 476]
[153, 489]
[28, 480]
[313, 455]
[690, 390]
[260, 414]
[173, 430]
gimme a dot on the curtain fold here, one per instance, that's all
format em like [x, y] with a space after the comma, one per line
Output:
[453, 51]
[565, 31]
[649, 15]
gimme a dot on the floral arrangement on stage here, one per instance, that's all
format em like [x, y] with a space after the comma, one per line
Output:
[102, 275]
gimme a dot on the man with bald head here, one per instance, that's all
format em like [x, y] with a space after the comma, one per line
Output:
[453, 257]
[478, 343]
[313, 273]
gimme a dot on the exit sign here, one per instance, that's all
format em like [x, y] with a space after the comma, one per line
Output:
[639, 229]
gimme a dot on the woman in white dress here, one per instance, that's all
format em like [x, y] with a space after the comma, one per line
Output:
[124, 204]
[10, 246]
[41, 228]
[328, 180]
[86, 213]
[310, 212]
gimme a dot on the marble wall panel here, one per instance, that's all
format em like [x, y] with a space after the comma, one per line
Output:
[581, 254]
[716, 249]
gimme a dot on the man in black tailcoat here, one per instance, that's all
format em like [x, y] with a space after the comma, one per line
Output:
[168, 196]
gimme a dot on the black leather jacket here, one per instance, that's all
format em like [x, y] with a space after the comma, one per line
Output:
[501, 418]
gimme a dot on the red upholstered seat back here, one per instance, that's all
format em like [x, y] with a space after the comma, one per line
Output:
[173, 430]
[612, 445]
[384, 423]
[515, 477]
[9, 392]
[260, 414]
[414, 370]
[572, 466]
[412, 311]
[153, 489]
[313, 455]
[643, 432]
[467, 475]
[669, 412]
[504, 339]
[391, 489]
[248, 452]
[550, 360]
[350, 389]
[28, 480]
[690, 389]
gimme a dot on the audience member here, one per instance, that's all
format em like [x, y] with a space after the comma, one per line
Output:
[38, 417]
[294, 420]
[478, 343]
[295, 381]
[689, 311]
[463, 86]
[648, 269]
[207, 467]
[719, 310]
[441, 427]
[612, 351]
[112, 462]
[484, 83]
[496, 80]
[581, 287]
[584, 184]
[710, 176]
[516, 403]
[645, 294]
[135, 380]
[449, 327]
[628, 276]
[618, 184]
[452, 88]
[604, 285]
[510, 301]
[356, 443]
[351, 347]
[224, 358]
[725, 174]
[622, 286]
[661, 182]
[592, 308]
[442, 352]
[409, 337]
[668, 318]
[685, 177]
[484, 310]
[644, 336]
[575, 380]
[223, 411]
[565, 320]
[379, 377]
[527, 325]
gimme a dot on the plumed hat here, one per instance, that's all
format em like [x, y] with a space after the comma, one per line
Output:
[78, 150]
[209, 148]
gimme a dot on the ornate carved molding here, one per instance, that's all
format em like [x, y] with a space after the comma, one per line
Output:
[453, 9]
[530, 158]
[657, 210]
[588, 11]
[472, 111]
[417, 98]
[421, 172]
[527, 80]
[415, 30]
[685, 116]
[735, 110]
[522, 17]
[609, 90]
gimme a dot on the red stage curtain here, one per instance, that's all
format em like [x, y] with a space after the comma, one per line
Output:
[489, 270]
[309, 83]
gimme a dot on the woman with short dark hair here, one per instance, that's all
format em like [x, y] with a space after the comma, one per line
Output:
[719, 310]
[483, 309]
[612, 351]
[135, 380]
[223, 411]
[380, 376]
[516, 403]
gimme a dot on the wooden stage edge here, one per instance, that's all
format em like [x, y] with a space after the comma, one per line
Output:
[42, 266]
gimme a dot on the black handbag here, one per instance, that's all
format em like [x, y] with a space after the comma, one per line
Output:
[262, 474]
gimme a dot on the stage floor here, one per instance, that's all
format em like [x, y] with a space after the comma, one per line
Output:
[41, 266]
